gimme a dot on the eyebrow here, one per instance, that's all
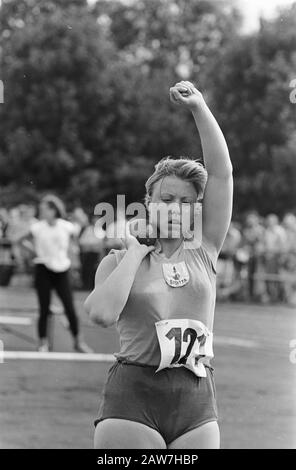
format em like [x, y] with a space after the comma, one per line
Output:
[172, 195]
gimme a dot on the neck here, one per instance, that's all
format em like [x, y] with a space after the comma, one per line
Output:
[51, 221]
[169, 245]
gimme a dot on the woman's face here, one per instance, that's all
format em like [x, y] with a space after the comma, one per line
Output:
[172, 207]
[46, 212]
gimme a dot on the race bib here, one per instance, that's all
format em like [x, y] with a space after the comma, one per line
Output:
[184, 343]
[175, 274]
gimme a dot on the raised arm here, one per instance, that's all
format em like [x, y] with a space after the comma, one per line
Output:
[218, 194]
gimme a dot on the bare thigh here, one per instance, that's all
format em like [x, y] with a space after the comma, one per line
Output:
[125, 434]
[206, 436]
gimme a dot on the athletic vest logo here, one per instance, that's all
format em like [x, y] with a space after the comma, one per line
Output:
[175, 274]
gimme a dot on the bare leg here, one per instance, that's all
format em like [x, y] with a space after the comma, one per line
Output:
[125, 434]
[206, 436]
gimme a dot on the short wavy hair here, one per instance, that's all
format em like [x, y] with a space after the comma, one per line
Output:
[55, 203]
[184, 168]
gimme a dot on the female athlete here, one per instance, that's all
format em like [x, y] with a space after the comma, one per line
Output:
[160, 392]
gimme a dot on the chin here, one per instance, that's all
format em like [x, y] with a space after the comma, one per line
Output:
[171, 232]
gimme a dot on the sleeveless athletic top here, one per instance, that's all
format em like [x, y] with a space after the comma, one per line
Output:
[152, 299]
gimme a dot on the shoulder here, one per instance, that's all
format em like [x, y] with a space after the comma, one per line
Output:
[66, 225]
[37, 226]
[205, 252]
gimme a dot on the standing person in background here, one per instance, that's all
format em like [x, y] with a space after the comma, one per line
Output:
[27, 219]
[23, 217]
[6, 252]
[228, 278]
[92, 250]
[252, 241]
[4, 222]
[49, 239]
[289, 226]
[80, 219]
[91, 246]
[275, 241]
[288, 263]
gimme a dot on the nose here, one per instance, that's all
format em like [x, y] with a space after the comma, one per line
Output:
[175, 212]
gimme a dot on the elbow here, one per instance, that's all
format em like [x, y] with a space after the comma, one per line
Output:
[99, 317]
[93, 313]
[100, 313]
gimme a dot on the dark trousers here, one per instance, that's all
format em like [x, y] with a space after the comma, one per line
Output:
[45, 281]
[252, 268]
[89, 263]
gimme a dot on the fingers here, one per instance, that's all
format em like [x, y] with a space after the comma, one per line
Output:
[127, 229]
[150, 248]
[174, 99]
[124, 244]
[125, 240]
[175, 94]
[181, 90]
[189, 85]
[185, 86]
[181, 86]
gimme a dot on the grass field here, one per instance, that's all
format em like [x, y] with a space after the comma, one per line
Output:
[52, 404]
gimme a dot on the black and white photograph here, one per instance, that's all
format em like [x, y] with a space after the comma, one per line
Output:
[148, 227]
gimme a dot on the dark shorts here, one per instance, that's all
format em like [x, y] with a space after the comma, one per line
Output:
[172, 401]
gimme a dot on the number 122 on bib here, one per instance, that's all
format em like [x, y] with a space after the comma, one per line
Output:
[184, 343]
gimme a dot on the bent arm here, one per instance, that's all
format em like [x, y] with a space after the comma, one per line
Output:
[112, 287]
[217, 199]
[26, 240]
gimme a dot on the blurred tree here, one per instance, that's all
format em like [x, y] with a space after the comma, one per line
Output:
[250, 96]
[85, 112]
[86, 109]
[177, 35]
[54, 63]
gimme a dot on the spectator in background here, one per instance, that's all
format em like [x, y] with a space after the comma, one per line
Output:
[252, 243]
[49, 238]
[80, 219]
[23, 217]
[115, 231]
[4, 222]
[27, 218]
[232, 241]
[92, 250]
[289, 225]
[274, 241]
[6, 253]
[288, 264]
[228, 278]
[21, 220]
